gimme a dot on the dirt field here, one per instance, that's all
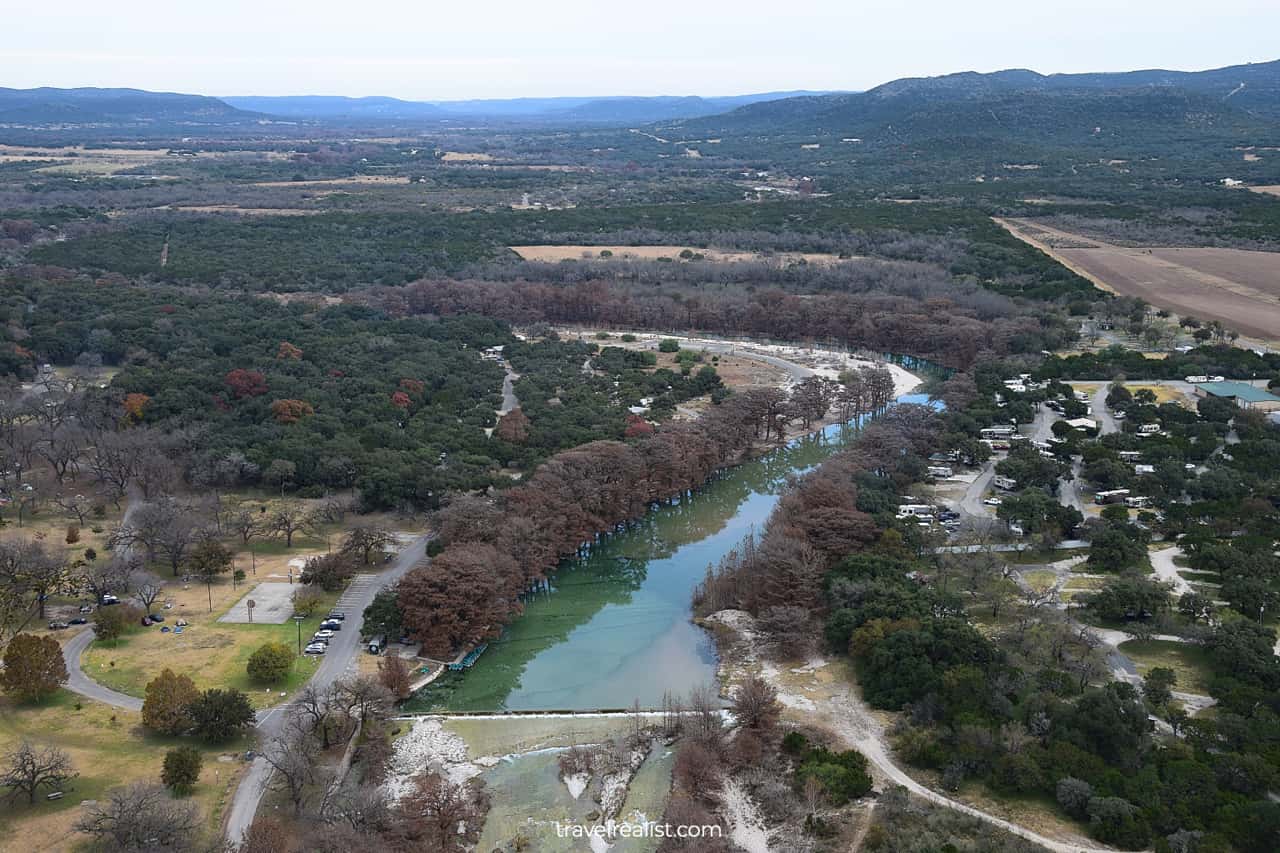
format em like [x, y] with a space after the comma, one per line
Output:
[649, 253]
[331, 182]
[248, 211]
[1240, 288]
[465, 157]
[1266, 190]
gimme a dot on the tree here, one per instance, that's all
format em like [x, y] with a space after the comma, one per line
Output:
[306, 601]
[166, 707]
[513, 427]
[267, 835]
[291, 411]
[181, 769]
[245, 383]
[393, 672]
[365, 540]
[329, 571]
[111, 623]
[209, 559]
[293, 754]
[440, 816]
[219, 715]
[33, 667]
[270, 663]
[755, 704]
[1158, 684]
[142, 817]
[669, 345]
[29, 768]
[147, 592]
[288, 520]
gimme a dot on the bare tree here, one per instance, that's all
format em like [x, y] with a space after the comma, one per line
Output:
[364, 540]
[29, 768]
[142, 817]
[293, 754]
[147, 590]
[755, 704]
[288, 520]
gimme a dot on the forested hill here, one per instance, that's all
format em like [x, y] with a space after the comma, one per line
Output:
[1025, 105]
[47, 106]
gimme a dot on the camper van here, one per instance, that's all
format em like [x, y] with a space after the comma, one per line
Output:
[1006, 483]
[993, 433]
[1114, 496]
[940, 472]
[915, 511]
[1140, 502]
[1149, 429]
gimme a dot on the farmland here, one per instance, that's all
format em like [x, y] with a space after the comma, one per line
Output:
[1240, 288]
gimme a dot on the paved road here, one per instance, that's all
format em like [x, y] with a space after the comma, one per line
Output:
[78, 682]
[338, 662]
[1106, 423]
[509, 399]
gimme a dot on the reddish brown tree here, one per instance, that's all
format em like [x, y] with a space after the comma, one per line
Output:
[245, 383]
[291, 411]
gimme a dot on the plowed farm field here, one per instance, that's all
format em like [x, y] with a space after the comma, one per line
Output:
[1238, 287]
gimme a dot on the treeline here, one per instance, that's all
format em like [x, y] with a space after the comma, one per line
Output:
[1220, 360]
[495, 551]
[936, 328]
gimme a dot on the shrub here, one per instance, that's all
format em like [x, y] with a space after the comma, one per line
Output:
[668, 345]
[270, 663]
[181, 769]
[843, 775]
[111, 623]
[219, 715]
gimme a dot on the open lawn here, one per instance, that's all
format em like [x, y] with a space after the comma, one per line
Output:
[213, 653]
[109, 748]
[1191, 663]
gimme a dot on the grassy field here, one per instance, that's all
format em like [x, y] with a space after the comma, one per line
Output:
[109, 748]
[1191, 663]
[213, 653]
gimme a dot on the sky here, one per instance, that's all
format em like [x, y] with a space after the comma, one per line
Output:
[435, 50]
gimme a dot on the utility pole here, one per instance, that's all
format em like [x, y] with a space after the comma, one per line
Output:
[297, 620]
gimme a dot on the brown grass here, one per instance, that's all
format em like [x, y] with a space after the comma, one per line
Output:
[109, 749]
[1272, 190]
[1238, 287]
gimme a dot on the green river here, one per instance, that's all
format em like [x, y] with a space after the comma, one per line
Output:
[615, 627]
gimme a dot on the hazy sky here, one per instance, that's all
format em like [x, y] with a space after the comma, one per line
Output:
[434, 49]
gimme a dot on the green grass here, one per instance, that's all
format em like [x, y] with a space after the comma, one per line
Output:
[1202, 577]
[1191, 663]
[1031, 557]
[213, 653]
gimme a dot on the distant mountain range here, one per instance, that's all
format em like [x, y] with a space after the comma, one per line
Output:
[584, 110]
[1016, 104]
[1021, 103]
[47, 106]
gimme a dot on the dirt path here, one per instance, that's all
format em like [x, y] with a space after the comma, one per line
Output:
[816, 694]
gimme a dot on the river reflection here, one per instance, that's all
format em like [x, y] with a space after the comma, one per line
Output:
[614, 627]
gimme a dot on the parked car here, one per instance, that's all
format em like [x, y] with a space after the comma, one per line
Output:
[338, 615]
[86, 608]
[79, 620]
[157, 617]
[315, 649]
[331, 625]
[108, 598]
[324, 634]
[992, 501]
[57, 626]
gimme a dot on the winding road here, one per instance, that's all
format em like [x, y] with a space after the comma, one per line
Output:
[338, 662]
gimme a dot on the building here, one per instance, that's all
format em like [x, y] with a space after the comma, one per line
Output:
[1243, 394]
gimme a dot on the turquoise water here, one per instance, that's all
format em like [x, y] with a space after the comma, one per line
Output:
[615, 627]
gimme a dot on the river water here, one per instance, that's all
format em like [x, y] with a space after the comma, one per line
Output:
[615, 626]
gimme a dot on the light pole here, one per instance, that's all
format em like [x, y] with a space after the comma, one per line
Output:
[297, 620]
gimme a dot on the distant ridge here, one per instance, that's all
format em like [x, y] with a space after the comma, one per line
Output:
[1021, 102]
[48, 106]
[619, 109]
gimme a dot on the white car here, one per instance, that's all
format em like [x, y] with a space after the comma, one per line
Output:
[315, 649]
[992, 501]
[323, 634]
